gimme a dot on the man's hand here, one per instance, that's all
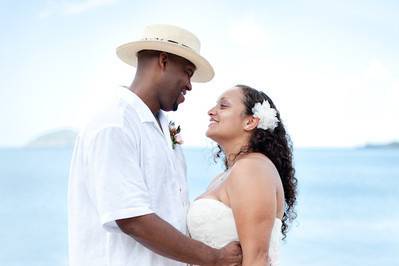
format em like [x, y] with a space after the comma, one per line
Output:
[173, 244]
[230, 255]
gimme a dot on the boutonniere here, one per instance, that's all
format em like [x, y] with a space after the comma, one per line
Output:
[175, 134]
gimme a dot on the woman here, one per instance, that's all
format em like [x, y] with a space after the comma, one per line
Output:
[253, 200]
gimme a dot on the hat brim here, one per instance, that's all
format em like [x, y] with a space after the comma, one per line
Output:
[128, 53]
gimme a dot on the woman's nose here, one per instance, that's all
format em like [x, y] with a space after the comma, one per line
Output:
[211, 111]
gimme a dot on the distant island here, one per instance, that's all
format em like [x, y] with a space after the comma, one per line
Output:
[392, 145]
[59, 138]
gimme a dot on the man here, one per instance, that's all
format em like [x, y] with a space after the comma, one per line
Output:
[127, 190]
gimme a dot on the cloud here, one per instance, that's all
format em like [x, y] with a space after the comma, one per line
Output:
[83, 6]
[374, 93]
[248, 34]
[72, 8]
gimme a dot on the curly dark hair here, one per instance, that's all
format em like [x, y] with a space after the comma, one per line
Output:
[275, 145]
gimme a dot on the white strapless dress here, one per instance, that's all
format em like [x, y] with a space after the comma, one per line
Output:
[212, 222]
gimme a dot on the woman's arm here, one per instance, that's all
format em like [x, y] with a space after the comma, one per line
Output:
[251, 189]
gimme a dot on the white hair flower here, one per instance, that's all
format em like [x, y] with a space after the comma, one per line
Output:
[267, 115]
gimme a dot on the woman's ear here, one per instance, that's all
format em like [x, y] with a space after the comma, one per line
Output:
[251, 122]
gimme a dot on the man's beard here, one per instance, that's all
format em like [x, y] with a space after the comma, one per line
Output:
[175, 106]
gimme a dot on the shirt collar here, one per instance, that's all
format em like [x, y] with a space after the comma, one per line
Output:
[142, 109]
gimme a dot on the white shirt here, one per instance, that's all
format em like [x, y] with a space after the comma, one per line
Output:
[123, 166]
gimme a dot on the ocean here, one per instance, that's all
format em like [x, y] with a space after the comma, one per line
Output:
[347, 206]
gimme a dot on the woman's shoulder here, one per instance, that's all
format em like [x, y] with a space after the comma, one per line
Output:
[253, 162]
[251, 178]
[252, 166]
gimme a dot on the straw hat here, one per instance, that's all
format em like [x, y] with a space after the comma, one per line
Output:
[169, 39]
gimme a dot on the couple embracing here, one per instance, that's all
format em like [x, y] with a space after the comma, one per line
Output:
[128, 198]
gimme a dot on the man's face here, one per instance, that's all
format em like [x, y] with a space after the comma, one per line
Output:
[175, 82]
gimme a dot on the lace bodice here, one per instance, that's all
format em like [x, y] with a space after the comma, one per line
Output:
[212, 222]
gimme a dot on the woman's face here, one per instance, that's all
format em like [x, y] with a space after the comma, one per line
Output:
[227, 117]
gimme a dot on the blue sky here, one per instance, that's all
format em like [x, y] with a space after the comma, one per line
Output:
[330, 66]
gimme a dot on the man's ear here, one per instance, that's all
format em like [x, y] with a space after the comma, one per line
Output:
[251, 122]
[162, 60]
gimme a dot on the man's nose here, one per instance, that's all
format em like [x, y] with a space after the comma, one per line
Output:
[189, 86]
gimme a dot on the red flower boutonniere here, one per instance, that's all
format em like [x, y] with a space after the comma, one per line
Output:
[175, 134]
